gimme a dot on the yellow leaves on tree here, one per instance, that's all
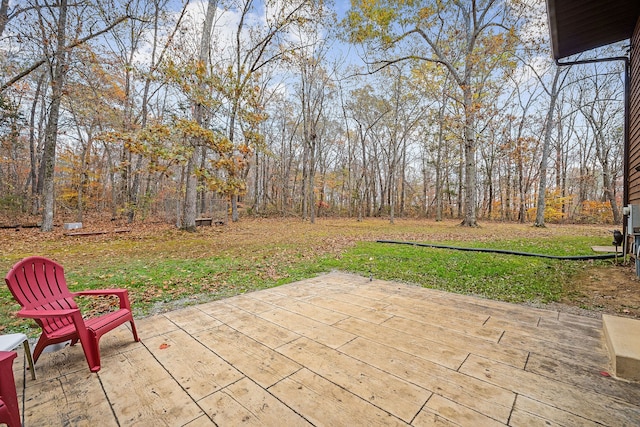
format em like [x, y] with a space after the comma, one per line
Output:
[194, 80]
[595, 212]
[560, 208]
[71, 175]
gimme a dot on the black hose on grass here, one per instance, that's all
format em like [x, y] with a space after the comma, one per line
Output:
[502, 251]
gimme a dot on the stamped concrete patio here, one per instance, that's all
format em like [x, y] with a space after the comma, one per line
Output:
[339, 350]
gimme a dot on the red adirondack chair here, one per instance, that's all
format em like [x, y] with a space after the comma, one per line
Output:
[39, 286]
[9, 410]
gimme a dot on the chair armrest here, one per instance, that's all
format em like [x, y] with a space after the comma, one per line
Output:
[122, 294]
[101, 292]
[73, 313]
[37, 314]
[7, 355]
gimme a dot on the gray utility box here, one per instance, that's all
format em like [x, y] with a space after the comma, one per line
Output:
[633, 219]
[633, 229]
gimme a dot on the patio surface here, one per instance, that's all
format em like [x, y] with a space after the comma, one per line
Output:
[338, 350]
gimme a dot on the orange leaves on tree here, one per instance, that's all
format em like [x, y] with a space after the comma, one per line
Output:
[244, 149]
[595, 212]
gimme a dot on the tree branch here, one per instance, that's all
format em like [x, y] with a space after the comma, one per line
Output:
[76, 43]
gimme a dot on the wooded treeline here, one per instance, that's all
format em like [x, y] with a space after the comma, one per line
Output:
[450, 109]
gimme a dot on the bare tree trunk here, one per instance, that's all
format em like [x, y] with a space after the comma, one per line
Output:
[35, 196]
[542, 185]
[460, 181]
[508, 197]
[4, 18]
[312, 180]
[51, 132]
[190, 197]
[112, 178]
[609, 192]
[391, 193]
[438, 165]
[469, 161]
[424, 206]
[191, 193]
[607, 181]
[84, 177]
[403, 174]
[180, 201]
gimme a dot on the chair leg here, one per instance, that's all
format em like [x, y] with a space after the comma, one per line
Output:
[40, 346]
[6, 417]
[91, 353]
[27, 352]
[89, 343]
[135, 332]
[11, 411]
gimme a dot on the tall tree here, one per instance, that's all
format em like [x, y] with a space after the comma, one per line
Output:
[251, 53]
[313, 91]
[601, 105]
[56, 30]
[190, 200]
[57, 69]
[368, 110]
[553, 92]
[435, 84]
[48, 55]
[468, 37]
[405, 112]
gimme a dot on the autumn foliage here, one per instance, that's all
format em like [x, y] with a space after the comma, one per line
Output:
[440, 111]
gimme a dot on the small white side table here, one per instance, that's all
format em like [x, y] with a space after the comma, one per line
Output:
[12, 341]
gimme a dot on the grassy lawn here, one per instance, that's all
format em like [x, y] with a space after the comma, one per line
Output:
[164, 268]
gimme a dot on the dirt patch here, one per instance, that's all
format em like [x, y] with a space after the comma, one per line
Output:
[612, 290]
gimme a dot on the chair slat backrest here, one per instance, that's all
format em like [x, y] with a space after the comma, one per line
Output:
[38, 283]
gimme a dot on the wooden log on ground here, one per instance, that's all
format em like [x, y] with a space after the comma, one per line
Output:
[204, 222]
[95, 233]
[19, 226]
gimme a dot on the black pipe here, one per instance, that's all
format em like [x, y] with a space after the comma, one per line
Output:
[502, 251]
